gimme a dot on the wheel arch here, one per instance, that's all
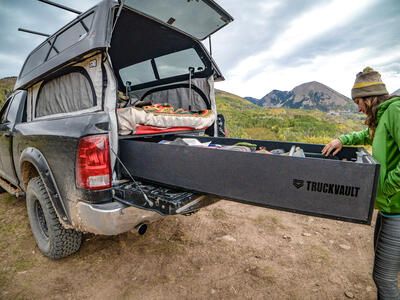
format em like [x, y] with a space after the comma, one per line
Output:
[34, 164]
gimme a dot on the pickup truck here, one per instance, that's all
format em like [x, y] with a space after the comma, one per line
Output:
[72, 143]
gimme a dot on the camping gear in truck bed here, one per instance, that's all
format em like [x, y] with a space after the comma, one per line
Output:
[342, 187]
[162, 116]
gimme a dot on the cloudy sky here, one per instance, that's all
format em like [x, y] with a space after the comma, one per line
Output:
[272, 44]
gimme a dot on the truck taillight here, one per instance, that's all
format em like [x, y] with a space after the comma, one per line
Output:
[93, 169]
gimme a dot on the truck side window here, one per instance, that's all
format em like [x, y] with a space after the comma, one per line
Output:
[67, 93]
[14, 106]
[4, 111]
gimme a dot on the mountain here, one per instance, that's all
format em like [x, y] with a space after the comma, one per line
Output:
[253, 100]
[310, 95]
[6, 87]
[397, 92]
[250, 121]
[232, 101]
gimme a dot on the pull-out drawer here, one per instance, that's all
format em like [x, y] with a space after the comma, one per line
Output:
[341, 187]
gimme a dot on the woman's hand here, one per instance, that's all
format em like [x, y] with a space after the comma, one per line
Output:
[335, 144]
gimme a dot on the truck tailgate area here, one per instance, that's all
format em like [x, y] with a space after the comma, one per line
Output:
[338, 188]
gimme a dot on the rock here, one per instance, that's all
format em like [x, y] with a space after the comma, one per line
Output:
[345, 247]
[331, 241]
[227, 238]
[306, 234]
[334, 279]
[349, 294]
[287, 237]
[22, 272]
[213, 291]
[369, 289]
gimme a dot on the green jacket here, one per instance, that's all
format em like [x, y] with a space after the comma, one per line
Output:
[386, 150]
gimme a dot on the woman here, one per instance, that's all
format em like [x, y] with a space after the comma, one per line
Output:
[383, 132]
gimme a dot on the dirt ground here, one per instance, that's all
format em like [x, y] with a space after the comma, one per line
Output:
[226, 251]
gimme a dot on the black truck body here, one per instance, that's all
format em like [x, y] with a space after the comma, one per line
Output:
[83, 72]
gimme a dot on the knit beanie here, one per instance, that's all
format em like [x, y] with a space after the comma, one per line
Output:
[368, 83]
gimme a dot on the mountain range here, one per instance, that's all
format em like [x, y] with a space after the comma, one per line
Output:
[310, 95]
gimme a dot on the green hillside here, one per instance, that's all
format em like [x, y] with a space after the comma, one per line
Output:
[246, 120]
[6, 86]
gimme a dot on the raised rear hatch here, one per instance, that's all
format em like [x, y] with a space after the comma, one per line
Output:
[197, 18]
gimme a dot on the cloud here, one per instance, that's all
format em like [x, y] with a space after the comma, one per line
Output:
[350, 34]
[336, 70]
[305, 28]
[257, 25]
[376, 28]
[273, 44]
[15, 46]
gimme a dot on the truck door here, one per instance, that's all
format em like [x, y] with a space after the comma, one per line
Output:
[8, 118]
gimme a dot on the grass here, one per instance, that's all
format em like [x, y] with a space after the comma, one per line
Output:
[219, 214]
[268, 222]
[24, 265]
[317, 254]
[248, 121]
[265, 273]
[6, 87]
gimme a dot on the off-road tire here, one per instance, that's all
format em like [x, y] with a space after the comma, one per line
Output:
[53, 240]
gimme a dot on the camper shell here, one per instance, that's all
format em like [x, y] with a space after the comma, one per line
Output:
[94, 31]
[74, 127]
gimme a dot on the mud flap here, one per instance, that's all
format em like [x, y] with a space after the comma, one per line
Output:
[331, 188]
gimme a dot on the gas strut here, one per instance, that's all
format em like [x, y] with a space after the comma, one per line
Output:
[191, 73]
[33, 32]
[61, 6]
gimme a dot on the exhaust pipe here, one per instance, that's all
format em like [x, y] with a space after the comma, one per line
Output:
[141, 228]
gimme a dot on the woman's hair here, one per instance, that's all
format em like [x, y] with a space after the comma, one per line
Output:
[371, 104]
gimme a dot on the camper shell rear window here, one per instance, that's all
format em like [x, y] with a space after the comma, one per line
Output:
[163, 67]
[164, 58]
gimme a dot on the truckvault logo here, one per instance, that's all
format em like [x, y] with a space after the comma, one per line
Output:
[298, 183]
[327, 188]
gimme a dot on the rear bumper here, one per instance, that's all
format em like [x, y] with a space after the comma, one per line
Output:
[111, 218]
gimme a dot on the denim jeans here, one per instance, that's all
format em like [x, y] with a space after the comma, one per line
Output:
[387, 256]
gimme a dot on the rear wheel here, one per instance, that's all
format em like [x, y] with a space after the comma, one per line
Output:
[52, 238]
